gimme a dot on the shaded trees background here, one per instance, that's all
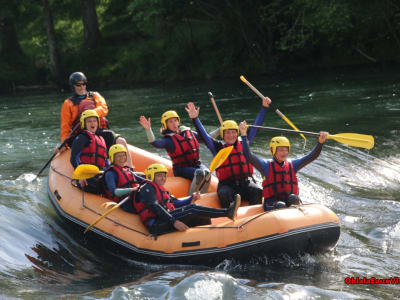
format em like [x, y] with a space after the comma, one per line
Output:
[120, 41]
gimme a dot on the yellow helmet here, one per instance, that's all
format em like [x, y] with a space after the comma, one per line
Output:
[153, 169]
[168, 115]
[228, 124]
[114, 149]
[278, 141]
[87, 114]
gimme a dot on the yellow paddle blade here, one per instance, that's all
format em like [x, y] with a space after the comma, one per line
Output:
[102, 217]
[354, 139]
[86, 171]
[221, 156]
[292, 125]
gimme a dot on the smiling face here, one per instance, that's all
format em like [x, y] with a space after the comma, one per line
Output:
[281, 153]
[80, 88]
[230, 136]
[91, 124]
[173, 124]
[160, 178]
[120, 159]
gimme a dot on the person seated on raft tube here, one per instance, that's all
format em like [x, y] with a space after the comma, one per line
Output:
[280, 185]
[235, 173]
[78, 102]
[182, 147]
[89, 148]
[161, 212]
[120, 179]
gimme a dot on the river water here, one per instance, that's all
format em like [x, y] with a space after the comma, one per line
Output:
[41, 258]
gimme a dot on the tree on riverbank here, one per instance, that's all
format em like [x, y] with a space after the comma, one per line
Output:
[125, 42]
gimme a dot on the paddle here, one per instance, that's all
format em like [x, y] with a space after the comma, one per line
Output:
[106, 213]
[215, 107]
[86, 171]
[54, 154]
[351, 139]
[273, 107]
[218, 160]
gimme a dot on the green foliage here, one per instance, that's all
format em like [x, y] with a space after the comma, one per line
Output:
[164, 40]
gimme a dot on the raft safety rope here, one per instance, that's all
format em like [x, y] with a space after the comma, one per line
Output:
[238, 227]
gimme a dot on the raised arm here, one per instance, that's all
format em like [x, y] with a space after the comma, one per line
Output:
[312, 155]
[260, 164]
[193, 113]
[259, 119]
[164, 143]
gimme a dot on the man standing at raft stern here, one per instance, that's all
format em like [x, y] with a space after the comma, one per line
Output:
[80, 101]
[280, 186]
[236, 172]
[161, 212]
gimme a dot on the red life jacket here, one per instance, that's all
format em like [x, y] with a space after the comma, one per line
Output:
[186, 149]
[84, 104]
[96, 152]
[236, 166]
[126, 179]
[163, 197]
[280, 182]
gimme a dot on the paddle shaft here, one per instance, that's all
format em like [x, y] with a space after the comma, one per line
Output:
[285, 130]
[215, 108]
[106, 214]
[54, 154]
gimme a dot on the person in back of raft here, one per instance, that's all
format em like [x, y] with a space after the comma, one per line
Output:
[80, 101]
[120, 178]
[161, 212]
[235, 173]
[280, 185]
[182, 147]
[89, 148]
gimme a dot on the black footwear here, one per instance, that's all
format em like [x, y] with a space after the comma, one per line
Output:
[233, 208]
[293, 200]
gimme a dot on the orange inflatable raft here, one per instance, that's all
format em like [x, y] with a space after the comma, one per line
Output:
[308, 228]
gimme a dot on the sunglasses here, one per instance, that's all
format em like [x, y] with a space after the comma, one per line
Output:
[80, 84]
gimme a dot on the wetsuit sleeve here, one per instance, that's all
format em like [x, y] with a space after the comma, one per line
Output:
[259, 120]
[150, 135]
[165, 143]
[80, 142]
[208, 140]
[305, 160]
[182, 201]
[260, 164]
[147, 195]
[101, 105]
[65, 120]
[111, 181]
[109, 136]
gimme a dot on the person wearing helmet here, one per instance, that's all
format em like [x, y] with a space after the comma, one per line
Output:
[120, 179]
[280, 185]
[80, 101]
[89, 148]
[235, 173]
[182, 147]
[161, 212]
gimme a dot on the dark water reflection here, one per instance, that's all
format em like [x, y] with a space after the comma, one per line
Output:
[42, 257]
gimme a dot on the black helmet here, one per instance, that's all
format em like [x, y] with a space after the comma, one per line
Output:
[75, 77]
